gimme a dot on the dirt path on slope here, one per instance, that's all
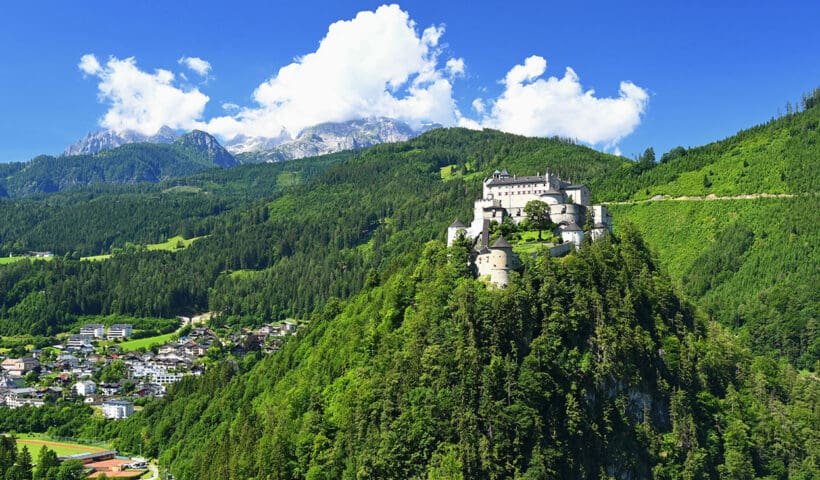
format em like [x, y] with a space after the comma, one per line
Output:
[695, 198]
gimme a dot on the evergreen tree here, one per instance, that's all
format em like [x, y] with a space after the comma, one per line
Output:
[47, 465]
[23, 469]
[8, 452]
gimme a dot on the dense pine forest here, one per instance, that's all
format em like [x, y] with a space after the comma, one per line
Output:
[684, 346]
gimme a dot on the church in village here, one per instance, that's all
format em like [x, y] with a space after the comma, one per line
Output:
[505, 197]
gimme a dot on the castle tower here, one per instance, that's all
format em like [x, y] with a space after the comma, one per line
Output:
[501, 261]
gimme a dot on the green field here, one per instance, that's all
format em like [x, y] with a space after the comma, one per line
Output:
[95, 258]
[35, 441]
[7, 260]
[173, 244]
[147, 342]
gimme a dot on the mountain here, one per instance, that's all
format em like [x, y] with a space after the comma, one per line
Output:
[106, 140]
[205, 143]
[129, 163]
[325, 138]
[626, 359]
[320, 139]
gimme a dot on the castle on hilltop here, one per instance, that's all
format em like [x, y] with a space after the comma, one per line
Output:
[505, 196]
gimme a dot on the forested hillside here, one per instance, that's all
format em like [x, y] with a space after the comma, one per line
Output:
[779, 156]
[269, 259]
[97, 218]
[688, 350]
[128, 164]
[584, 367]
[750, 264]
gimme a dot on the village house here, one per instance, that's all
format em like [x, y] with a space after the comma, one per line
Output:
[19, 367]
[109, 389]
[119, 330]
[117, 409]
[95, 330]
[85, 388]
[19, 397]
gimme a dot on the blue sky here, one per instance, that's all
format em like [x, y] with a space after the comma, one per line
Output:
[663, 74]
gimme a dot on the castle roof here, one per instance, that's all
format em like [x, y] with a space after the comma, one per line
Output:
[552, 191]
[457, 224]
[574, 187]
[572, 227]
[599, 225]
[501, 243]
[510, 180]
[504, 172]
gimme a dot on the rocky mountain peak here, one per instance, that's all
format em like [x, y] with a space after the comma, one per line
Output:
[206, 143]
[331, 137]
[95, 142]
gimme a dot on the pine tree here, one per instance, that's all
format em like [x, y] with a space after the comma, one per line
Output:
[47, 464]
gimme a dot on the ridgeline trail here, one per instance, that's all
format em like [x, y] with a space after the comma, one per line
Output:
[695, 198]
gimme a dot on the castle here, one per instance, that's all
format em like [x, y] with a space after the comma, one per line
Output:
[505, 196]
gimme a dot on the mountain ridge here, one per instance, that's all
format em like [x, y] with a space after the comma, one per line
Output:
[330, 137]
[95, 142]
[320, 139]
[128, 163]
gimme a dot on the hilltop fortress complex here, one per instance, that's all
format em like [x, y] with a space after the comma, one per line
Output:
[505, 196]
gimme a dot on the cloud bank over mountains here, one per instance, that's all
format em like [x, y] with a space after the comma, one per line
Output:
[377, 64]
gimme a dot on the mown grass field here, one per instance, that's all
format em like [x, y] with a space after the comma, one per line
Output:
[146, 342]
[8, 260]
[173, 244]
[35, 442]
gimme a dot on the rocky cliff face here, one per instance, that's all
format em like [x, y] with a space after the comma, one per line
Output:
[334, 137]
[316, 140]
[106, 140]
[207, 144]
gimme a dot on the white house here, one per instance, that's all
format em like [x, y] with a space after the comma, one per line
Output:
[95, 330]
[572, 233]
[119, 330]
[85, 388]
[117, 409]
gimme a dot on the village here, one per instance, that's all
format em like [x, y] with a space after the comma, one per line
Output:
[92, 367]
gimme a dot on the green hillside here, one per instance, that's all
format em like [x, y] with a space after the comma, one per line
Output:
[779, 156]
[584, 366]
[611, 362]
[128, 164]
[347, 223]
[97, 218]
[750, 264]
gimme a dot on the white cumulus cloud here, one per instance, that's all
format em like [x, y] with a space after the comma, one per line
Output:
[455, 66]
[89, 64]
[198, 65]
[142, 101]
[533, 106]
[376, 64]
